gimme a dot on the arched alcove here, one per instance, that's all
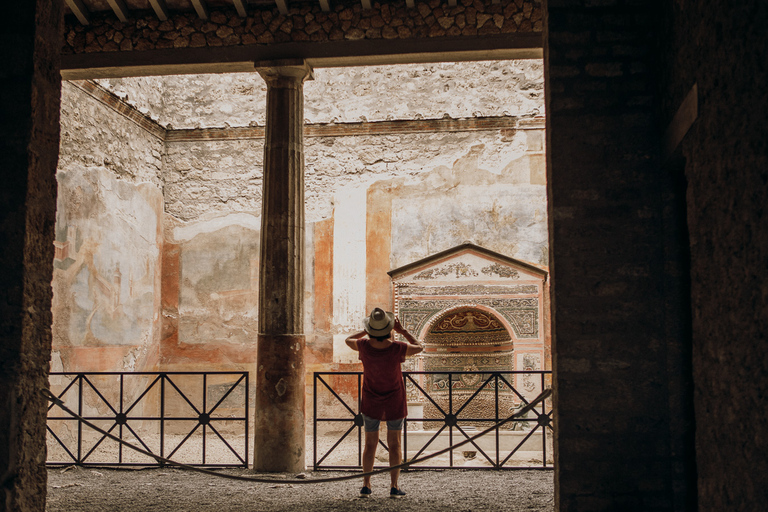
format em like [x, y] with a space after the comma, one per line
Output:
[467, 338]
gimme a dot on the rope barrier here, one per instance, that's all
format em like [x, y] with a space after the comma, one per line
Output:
[529, 407]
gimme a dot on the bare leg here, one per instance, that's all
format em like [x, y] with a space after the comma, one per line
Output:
[369, 453]
[395, 454]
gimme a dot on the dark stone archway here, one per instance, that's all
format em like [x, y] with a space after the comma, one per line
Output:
[618, 255]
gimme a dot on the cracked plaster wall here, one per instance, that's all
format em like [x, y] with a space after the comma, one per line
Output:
[108, 240]
[445, 188]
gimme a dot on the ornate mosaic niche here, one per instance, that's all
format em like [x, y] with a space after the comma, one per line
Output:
[470, 306]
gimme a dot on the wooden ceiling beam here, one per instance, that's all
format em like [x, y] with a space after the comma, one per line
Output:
[282, 6]
[120, 10]
[201, 8]
[161, 10]
[80, 11]
[325, 5]
[241, 7]
[410, 4]
[366, 4]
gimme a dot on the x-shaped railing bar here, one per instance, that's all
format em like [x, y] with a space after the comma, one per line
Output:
[514, 390]
[208, 415]
[431, 439]
[149, 388]
[341, 400]
[230, 390]
[72, 383]
[475, 444]
[409, 377]
[181, 393]
[194, 429]
[103, 437]
[477, 391]
[93, 387]
[61, 443]
[354, 417]
[521, 443]
[350, 429]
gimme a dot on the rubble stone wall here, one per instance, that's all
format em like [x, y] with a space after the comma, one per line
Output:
[94, 134]
[463, 90]
[303, 23]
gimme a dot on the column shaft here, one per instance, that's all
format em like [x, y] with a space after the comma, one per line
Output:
[280, 382]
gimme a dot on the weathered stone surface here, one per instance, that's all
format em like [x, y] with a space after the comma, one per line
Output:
[608, 270]
[279, 423]
[29, 132]
[280, 393]
[723, 184]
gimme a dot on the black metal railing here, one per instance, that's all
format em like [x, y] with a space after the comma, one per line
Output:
[158, 411]
[448, 413]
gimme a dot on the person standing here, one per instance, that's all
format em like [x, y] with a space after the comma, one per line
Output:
[383, 395]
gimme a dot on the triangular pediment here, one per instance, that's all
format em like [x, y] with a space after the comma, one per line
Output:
[467, 263]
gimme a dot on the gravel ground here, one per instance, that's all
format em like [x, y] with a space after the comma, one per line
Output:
[77, 489]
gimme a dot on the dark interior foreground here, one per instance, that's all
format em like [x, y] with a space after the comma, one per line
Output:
[657, 172]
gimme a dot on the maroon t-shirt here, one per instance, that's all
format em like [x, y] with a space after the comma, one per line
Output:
[383, 386]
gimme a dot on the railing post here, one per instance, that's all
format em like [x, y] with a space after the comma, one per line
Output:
[205, 396]
[496, 400]
[405, 423]
[120, 446]
[314, 420]
[450, 411]
[80, 413]
[543, 428]
[247, 400]
[162, 416]
[360, 429]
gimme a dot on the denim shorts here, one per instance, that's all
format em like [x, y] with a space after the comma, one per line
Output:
[372, 424]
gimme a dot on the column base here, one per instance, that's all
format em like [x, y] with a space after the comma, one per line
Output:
[279, 428]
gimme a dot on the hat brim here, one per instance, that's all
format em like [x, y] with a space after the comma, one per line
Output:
[384, 330]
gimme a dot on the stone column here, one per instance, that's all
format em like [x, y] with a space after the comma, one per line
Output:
[280, 381]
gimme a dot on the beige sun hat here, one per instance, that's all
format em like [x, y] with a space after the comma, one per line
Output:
[379, 323]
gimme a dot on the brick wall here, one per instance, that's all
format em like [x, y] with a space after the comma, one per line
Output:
[721, 47]
[609, 345]
[29, 135]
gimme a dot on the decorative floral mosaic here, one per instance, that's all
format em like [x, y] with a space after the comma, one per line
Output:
[501, 271]
[468, 289]
[521, 313]
[465, 328]
[459, 269]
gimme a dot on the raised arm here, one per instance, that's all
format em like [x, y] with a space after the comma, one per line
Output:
[414, 347]
[351, 341]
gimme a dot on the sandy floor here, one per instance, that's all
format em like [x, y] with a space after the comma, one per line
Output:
[84, 489]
